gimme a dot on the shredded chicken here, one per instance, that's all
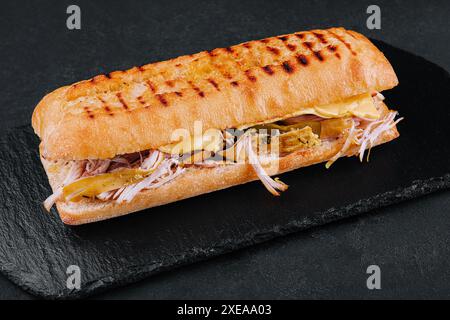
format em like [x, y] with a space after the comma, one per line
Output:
[273, 185]
[373, 131]
[351, 135]
[163, 174]
[75, 171]
[365, 138]
[377, 96]
[94, 167]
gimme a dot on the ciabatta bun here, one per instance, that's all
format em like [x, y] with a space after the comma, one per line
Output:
[138, 109]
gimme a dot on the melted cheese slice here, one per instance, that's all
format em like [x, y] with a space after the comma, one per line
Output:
[361, 106]
[211, 140]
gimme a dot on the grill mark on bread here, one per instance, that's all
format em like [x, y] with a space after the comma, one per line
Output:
[239, 66]
[302, 59]
[108, 110]
[151, 86]
[234, 83]
[162, 99]
[268, 69]
[214, 84]
[122, 101]
[319, 56]
[196, 89]
[288, 67]
[225, 74]
[301, 36]
[88, 112]
[291, 47]
[338, 37]
[308, 45]
[320, 37]
[217, 67]
[102, 100]
[332, 48]
[141, 100]
[106, 106]
[178, 93]
[249, 76]
[273, 50]
[284, 39]
[170, 83]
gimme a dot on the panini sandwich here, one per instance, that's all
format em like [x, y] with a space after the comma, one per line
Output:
[170, 130]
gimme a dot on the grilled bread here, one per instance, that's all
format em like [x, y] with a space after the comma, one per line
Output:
[138, 109]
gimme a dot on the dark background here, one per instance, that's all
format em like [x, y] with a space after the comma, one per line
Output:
[410, 241]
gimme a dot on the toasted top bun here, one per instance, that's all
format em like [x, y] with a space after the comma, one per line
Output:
[138, 109]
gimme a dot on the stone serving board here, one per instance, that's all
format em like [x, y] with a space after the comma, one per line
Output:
[36, 247]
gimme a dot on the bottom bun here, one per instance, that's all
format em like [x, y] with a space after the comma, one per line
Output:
[194, 181]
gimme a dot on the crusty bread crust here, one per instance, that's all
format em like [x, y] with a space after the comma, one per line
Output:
[138, 109]
[194, 181]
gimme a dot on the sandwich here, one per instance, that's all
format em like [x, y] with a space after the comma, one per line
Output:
[166, 131]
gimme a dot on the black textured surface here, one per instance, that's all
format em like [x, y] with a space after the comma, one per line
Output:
[409, 241]
[36, 248]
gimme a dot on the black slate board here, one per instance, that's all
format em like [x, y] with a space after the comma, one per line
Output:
[36, 248]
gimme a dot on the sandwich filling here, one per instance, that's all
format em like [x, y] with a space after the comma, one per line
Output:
[359, 121]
